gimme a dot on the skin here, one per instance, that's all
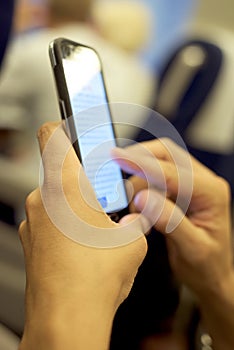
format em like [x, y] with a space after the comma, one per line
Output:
[200, 248]
[73, 291]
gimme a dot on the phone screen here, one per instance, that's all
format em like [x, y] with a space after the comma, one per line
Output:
[93, 125]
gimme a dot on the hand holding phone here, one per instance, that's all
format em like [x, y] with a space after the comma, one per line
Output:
[84, 106]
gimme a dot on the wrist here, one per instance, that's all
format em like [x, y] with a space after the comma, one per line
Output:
[222, 291]
[217, 311]
[80, 321]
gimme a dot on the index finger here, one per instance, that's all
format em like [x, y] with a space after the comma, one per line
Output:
[168, 176]
[166, 149]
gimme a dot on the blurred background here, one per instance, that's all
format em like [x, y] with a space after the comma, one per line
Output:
[175, 57]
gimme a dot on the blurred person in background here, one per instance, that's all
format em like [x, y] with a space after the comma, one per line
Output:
[30, 15]
[128, 24]
[27, 91]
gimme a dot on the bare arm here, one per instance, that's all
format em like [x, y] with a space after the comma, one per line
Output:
[73, 289]
[190, 205]
[217, 308]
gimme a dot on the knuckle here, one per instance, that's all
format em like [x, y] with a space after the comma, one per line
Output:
[171, 175]
[210, 250]
[168, 143]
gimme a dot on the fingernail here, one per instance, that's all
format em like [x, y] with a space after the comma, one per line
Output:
[119, 153]
[137, 201]
[145, 224]
[141, 199]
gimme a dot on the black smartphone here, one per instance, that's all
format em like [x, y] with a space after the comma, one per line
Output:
[84, 105]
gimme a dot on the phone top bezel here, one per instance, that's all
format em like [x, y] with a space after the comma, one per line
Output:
[56, 57]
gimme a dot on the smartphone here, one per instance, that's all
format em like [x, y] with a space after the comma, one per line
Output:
[84, 105]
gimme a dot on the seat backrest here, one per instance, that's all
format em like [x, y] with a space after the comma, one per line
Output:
[195, 94]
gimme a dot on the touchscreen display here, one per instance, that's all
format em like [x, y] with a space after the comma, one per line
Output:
[93, 126]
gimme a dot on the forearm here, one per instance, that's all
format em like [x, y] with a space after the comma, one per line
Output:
[86, 333]
[81, 324]
[217, 309]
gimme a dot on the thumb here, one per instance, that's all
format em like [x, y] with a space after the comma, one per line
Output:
[65, 182]
[167, 218]
[141, 219]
